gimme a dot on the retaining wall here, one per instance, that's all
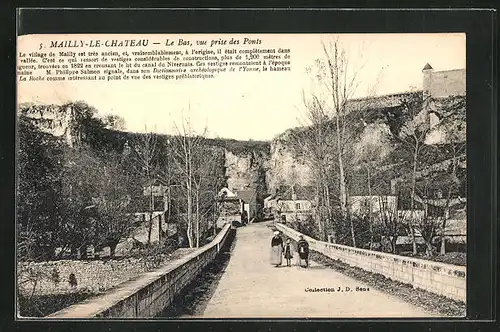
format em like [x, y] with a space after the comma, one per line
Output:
[95, 276]
[439, 278]
[152, 292]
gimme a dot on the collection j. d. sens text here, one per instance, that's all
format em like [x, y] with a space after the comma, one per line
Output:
[339, 289]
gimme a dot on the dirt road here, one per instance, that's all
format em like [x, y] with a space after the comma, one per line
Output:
[251, 287]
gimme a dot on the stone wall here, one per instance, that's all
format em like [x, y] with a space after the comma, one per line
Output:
[447, 83]
[152, 292]
[443, 279]
[95, 276]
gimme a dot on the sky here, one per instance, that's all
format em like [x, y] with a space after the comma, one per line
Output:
[256, 106]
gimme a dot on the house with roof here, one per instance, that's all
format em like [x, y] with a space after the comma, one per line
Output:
[158, 193]
[226, 193]
[229, 207]
[453, 211]
[234, 204]
[363, 205]
[455, 232]
[248, 198]
[456, 227]
[293, 203]
[379, 198]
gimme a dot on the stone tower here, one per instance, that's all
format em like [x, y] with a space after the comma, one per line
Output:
[427, 80]
[426, 91]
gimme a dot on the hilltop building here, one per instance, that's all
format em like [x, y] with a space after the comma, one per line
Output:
[439, 84]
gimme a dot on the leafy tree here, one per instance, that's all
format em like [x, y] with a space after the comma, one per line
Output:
[54, 207]
[38, 216]
[114, 122]
[97, 191]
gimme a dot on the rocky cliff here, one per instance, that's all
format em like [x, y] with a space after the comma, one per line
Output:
[285, 168]
[264, 166]
[266, 169]
[247, 170]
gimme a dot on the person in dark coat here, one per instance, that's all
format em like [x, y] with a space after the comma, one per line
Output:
[276, 249]
[288, 252]
[244, 217]
[303, 250]
[72, 280]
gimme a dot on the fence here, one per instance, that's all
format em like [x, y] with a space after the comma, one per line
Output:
[151, 293]
[439, 278]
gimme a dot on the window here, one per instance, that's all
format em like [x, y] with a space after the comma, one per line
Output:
[364, 204]
[297, 206]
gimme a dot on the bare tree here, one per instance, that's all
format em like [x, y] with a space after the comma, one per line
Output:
[370, 151]
[334, 121]
[167, 176]
[417, 133]
[338, 87]
[315, 146]
[427, 223]
[205, 159]
[391, 220]
[190, 158]
[452, 121]
[413, 135]
[145, 147]
[457, 153]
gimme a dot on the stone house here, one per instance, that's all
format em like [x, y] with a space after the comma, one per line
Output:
[248, 198]
[232, 204]
[375, 203]
[291, 204]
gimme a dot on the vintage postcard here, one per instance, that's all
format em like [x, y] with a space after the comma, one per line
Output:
[241, 176]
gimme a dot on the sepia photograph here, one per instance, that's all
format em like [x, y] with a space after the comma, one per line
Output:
[193, 176]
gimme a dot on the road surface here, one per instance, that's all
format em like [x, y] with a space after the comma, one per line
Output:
[252, 288]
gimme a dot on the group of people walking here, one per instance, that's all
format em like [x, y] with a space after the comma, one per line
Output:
[279, 249]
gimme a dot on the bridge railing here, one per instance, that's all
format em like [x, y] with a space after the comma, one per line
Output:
[439, 278]
[152, 292]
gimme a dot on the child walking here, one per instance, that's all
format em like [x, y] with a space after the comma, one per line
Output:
[288, 253]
